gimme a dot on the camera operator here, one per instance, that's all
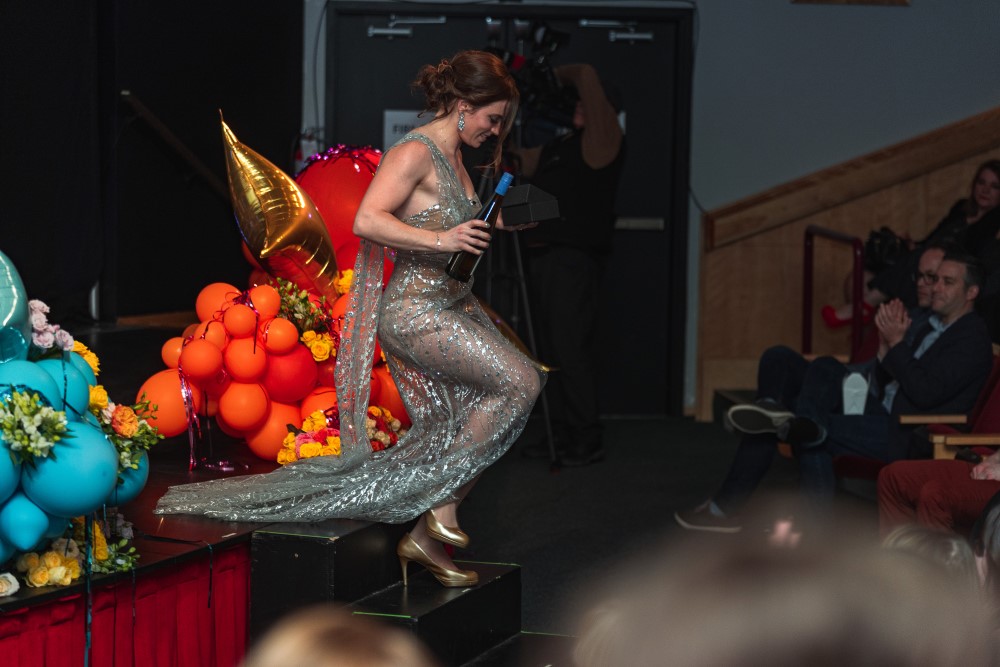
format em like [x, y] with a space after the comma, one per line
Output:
[567, 259]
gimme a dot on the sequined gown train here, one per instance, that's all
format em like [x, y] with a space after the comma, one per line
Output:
[467, 389]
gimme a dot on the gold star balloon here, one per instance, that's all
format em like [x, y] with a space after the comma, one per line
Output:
[278, 221]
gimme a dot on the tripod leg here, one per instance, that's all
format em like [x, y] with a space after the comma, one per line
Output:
[529, 324]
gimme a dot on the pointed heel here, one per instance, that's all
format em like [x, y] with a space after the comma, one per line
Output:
[408, 550]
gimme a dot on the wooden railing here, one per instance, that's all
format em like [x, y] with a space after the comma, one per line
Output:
[752, 267]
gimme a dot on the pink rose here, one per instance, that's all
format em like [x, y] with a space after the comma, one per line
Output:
[43, 339]
[64, 340]
[38, 306]
[38, 321]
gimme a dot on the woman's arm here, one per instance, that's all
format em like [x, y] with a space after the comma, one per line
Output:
[405, 183]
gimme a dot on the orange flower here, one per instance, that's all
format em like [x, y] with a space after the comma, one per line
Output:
[124, 422]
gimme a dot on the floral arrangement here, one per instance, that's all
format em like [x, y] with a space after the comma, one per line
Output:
[46, 338]
[88, 356]
[30, 427]
[306, 311]
[56, 567]
[382, 428]
[319, 436]
[322, 345]
[342, 283]
[126, 426]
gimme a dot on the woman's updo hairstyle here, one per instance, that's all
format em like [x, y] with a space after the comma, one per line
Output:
[479, 78]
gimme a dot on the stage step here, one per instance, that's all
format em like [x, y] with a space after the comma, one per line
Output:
[528, 649]
[297, 564]
[457, 624]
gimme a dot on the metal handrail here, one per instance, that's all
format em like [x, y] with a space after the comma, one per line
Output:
[857, 284]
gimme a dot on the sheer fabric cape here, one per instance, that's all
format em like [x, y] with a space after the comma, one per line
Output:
[467, 389]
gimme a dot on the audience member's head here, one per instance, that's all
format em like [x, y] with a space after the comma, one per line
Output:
[960, 277]
[741, 603]
[324, 636]
[927, 266]
[947, 550]
[986, 544]
[984, 196]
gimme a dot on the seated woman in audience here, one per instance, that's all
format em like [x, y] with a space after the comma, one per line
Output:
[972, 222]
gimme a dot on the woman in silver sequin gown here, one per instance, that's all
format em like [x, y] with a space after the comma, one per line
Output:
[467, 389]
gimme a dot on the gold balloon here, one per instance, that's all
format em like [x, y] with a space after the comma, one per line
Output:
[278, 221]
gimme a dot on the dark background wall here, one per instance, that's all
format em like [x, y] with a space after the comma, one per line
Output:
[91, 191]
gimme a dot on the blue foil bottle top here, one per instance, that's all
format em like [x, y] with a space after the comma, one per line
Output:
[505, 182]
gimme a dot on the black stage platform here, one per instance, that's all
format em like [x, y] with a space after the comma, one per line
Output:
[568, 529]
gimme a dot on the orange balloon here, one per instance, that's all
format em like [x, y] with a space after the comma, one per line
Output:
[265, 441]
[389, 397]
[226, 428]
[266, 300]
[211, 407]
[376, 389]
[339, 307]
[189, 330]
[215, 385]
[279, 336]
[163, 390]
[240, 320]
[214, 332]
[171, 351]
[214, 298]
[245, 359]
[320, 398]
[200, 360]
[243, 406]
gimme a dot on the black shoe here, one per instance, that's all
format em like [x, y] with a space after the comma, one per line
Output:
[572, 459]
[701, 518]
[760, 417]
[801, 432]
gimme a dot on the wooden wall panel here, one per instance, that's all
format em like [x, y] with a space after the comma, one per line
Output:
[751, 284]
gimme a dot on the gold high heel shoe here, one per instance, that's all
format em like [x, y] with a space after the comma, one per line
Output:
[408, 550]
[448, 534]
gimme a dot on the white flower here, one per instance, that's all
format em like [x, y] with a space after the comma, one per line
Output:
[8, 584]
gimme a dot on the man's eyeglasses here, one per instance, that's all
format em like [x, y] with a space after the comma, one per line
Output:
[929, 277]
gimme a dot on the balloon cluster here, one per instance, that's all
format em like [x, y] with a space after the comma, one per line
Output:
[249, 366]
[42, 488]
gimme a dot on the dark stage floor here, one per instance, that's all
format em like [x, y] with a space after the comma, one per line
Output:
[568, 529]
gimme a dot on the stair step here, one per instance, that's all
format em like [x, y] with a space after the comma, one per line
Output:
[457, 624]
[294, 565]
[528, 649]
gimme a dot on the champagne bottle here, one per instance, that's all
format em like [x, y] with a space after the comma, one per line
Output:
[463, 264]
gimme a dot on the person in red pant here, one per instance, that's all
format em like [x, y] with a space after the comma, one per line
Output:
[942, 494]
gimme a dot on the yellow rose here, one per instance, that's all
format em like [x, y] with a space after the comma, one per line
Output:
[333, 444]
[320, 350]
[374, 412]
[51, 559]
[100, 544]
[98, 398]
[342, 283]
[60, 576]
[315, 421]
[38, 576]
[73, 565]
[289, 440]
[286, 456]
[309, 337]
[309, 449]
[28, 561]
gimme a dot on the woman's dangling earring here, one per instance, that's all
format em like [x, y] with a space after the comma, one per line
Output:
[461, 121]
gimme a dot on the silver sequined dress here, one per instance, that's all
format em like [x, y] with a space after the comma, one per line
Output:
[466, 388]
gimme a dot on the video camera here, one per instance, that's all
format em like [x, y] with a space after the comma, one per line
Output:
[546, 105]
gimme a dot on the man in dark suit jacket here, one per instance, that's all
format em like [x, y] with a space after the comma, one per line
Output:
[939, 367]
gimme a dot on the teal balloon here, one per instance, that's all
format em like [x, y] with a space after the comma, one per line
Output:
[91, 419]
[73, 387]
[15, 325]
[22, 522]
[10, 472]
[132, 483]
[6, 551]
[26, 375]
[80, 477]
[80, 364]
